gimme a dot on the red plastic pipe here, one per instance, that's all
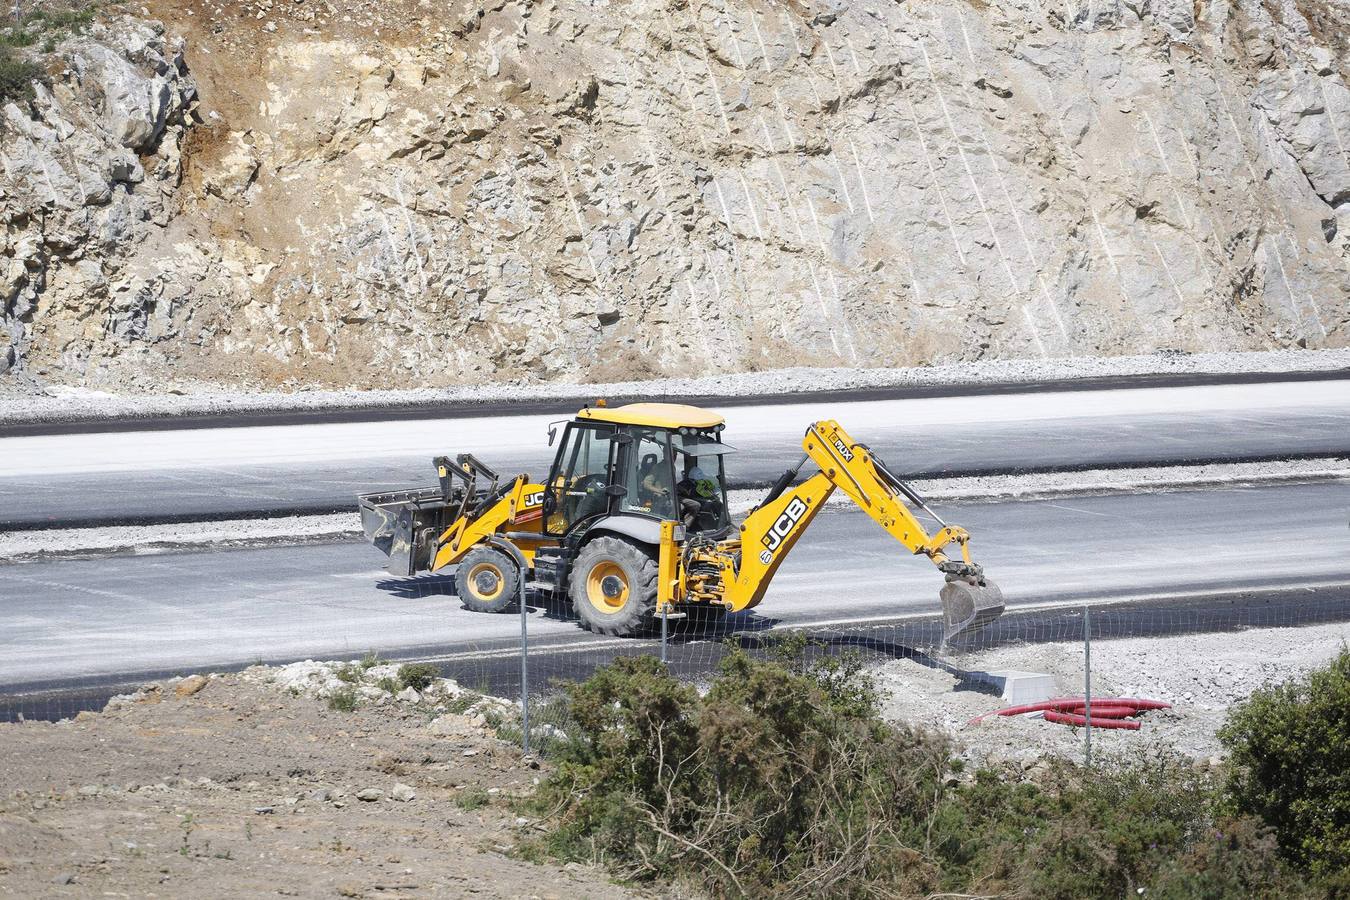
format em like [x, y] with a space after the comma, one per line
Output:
[1072, 719]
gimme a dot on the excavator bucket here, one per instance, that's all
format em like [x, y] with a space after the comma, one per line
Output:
[967, 606]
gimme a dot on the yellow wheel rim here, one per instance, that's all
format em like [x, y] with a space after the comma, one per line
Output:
[607, 587]
[484, 575]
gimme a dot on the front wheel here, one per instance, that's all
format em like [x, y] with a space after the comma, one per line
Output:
[487, 581]
[613, 587]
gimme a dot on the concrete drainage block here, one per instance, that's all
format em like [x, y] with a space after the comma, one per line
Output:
[1017, 688]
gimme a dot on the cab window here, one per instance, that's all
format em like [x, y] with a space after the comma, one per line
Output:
[651, 479]
[582, 470]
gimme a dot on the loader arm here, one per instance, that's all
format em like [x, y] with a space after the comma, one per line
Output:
[769, 533]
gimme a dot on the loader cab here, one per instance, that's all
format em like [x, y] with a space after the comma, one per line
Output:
[636, 462]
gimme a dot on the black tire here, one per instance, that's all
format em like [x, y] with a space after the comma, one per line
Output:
[487, 580]
[613, 588]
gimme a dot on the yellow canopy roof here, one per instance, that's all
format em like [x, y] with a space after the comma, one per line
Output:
[654, 415]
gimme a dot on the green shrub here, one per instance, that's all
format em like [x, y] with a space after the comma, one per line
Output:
[1290, 765]
[388, 685]
[348, 673]
[771, 780]
[418, 676]
[17, 76]
[1145, 823]
[370, 660]
[783, 780]
[343, 700]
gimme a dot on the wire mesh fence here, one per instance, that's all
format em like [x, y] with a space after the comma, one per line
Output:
[694, 646]
[531, 659]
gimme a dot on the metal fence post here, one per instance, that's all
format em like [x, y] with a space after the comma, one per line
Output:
[524, 675]
[1087, 685]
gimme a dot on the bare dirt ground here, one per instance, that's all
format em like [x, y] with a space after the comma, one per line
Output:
[1203, 676]
[253, 789]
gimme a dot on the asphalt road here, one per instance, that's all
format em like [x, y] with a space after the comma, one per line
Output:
[88, 622]
[186, 474]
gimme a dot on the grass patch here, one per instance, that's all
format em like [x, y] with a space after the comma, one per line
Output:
[348, 673]
[370, 661]
[472, 798]
[343, 700]
[418, 676]
[461, 704]
[388, 685]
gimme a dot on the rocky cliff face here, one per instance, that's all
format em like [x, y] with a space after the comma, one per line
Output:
[428, 193]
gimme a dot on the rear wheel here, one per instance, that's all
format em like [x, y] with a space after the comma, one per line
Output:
[613, 587]
[487, 580]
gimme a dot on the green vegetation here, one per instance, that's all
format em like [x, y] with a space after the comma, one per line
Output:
[370, 661]
[1290, 753]
[388, 685]
[418, 676]
[343, 700]
[472, 798]
[17, 76]
[348, 673]
[783, 780]
[47, 21]
[39, 29]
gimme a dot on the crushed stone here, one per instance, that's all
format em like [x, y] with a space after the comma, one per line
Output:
[1203, 675]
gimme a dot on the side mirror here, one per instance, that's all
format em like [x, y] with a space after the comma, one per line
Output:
[552, 434]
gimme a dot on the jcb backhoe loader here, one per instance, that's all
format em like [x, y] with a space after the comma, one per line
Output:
[633, 521]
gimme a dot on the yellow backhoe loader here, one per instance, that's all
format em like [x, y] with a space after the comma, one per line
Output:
[633, 521]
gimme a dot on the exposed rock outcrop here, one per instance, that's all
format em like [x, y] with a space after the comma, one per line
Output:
[412, 193]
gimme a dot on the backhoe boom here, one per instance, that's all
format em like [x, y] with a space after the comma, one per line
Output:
[736, 573]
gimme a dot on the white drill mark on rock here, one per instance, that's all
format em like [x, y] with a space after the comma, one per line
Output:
[412, 232]
[712, 77]
[824, 311]
[1162, 156]
[750, 201]
[693, 109]
[782, 181]
[843, 318]
[932, 172]
[1247, 161]
[1289, 289]
[1035, 335]
[834, 156]
[810, 73]
[764, 50]
[1331, 121]
[820, 234]
[843, 182]
[735, 42]
[857, 69]
[862, 181]
[975, 187]
[394, 250]
[688, 89]
[1181, 301]
[581, 223]
[1046, 298]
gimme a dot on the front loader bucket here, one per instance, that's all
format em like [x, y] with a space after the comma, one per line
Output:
[966, 606]
[398, 523]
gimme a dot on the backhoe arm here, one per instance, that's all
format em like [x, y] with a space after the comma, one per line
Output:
[768, 534]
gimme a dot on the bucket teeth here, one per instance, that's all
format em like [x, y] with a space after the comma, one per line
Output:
[967, 606]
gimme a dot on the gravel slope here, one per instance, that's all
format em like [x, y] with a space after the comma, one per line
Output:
[1202, 675]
